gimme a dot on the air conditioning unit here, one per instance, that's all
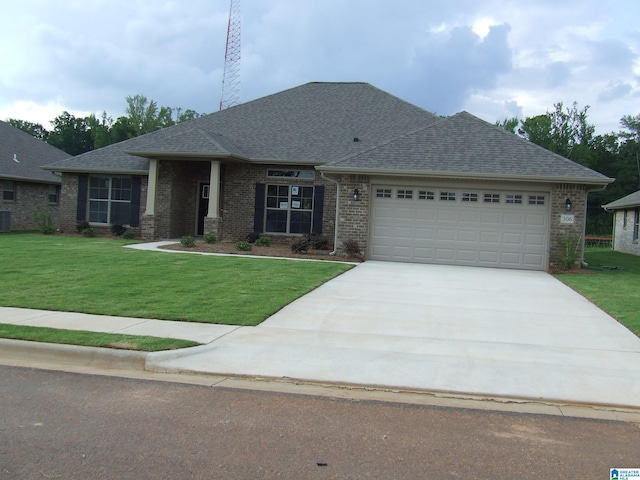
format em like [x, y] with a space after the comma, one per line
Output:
[5, 221]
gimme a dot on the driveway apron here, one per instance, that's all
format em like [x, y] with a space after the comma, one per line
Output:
[454, 329]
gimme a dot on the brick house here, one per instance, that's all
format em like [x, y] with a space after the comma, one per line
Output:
[345, 160]
[626, 223]
[26, 188]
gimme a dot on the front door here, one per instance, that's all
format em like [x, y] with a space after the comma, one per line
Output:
[203, 206]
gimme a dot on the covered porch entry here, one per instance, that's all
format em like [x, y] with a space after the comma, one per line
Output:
[184, 197]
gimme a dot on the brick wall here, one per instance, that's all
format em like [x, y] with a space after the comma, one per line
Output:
[560, 232]
[353, 221]
[30, 198]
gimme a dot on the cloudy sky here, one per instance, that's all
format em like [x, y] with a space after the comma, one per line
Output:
[493, 58]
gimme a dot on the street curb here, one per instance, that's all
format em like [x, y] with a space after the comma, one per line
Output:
[105, 358]
[90, 356]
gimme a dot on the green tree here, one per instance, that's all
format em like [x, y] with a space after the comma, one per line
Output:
[100, 130]
[145, 116]
[34, 129]
[70, 134]
[186, 115]
[566, 132]
[509, 124]
[537, 130]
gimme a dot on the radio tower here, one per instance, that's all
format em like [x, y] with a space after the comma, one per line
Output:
[231, 76]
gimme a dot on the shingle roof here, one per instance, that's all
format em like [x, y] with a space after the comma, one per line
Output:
[30, 153]
[466, 146]
[631, 200]
[311, 124]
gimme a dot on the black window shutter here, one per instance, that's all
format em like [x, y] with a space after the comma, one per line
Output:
[258, 218]
[318, 205]
[134, 221]
[83, 185]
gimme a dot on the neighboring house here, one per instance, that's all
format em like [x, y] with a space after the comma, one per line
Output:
[403, 183]
[26, 188]
[626, 220]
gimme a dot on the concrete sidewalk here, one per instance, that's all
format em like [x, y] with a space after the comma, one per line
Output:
[460, 330]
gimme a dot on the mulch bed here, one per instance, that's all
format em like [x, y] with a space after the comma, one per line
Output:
[274, 250]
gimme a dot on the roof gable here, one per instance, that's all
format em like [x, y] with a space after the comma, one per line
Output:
[631, 200]
[313, 124]
[466, 146]
[22, 156]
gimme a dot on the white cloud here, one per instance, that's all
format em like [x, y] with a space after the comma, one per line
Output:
[491, 58]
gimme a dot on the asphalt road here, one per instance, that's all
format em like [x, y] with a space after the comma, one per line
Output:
[73, 426]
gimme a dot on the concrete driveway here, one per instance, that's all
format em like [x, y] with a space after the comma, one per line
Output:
[454, 329]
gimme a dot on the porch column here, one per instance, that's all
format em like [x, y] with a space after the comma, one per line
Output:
[214, 190]
[151, 187]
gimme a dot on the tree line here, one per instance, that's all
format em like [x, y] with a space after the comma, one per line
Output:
[564, 130]
[567, 132]
[76, 135]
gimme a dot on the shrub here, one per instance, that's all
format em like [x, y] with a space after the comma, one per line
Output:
[243, 246]
[253, 236]
[89, 232]
[129, 235]
[263, 242]
[351, 248]
[188, 241]
[210, 238]
[300, 245]
[319, 242]
[568, 246]
[82, 226]
[118, 229]
[44, 221]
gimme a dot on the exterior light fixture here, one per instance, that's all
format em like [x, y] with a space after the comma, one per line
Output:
[356, 194]
[568, 204]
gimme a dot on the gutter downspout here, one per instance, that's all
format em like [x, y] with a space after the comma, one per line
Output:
[335, 238]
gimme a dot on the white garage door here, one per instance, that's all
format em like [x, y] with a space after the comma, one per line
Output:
[490, 228]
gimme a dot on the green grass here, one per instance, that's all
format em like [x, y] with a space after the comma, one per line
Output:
[92, 339]
[616, 291]
[97, 275]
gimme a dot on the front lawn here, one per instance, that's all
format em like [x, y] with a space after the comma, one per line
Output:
[97, 275]
[615, 287]
[92, 339]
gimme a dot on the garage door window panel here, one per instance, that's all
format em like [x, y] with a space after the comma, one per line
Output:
[491, 198]
[383, 193]
[448, 196]
[404, 194]
[469, 197]
[426, 195]
[514, 199]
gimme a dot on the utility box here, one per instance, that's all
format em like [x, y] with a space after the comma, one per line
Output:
[5, 221]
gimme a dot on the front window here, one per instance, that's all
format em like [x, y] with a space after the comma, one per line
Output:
[9, 190]
[110, 200]
[636, 224]
[289, 209]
